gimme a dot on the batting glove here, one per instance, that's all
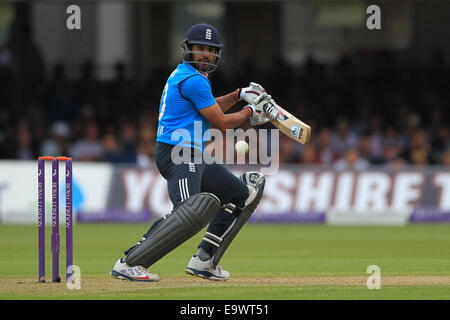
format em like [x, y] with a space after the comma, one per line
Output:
[251, 108]
[249, 93]
[259, 116]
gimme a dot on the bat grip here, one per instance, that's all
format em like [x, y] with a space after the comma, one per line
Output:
[270, 110]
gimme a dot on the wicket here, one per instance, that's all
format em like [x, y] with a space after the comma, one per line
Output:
[55, 237]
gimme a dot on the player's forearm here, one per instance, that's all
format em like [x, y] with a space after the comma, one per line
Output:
[233, 120]
[227, 101]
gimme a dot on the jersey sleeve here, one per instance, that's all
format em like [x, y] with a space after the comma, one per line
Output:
[198, 90]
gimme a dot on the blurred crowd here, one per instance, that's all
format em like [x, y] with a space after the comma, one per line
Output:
[366, 109]
[356, 120]
[371, 110]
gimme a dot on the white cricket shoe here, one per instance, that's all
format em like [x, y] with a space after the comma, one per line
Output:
[204, 269]
[138, 273]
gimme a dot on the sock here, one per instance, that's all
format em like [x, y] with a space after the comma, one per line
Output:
[203, 254]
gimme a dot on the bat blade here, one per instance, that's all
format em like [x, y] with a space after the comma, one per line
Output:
[287, 123]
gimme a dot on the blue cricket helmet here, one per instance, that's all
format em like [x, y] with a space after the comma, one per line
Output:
[201, 34]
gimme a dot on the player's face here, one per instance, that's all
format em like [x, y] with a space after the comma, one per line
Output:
[204, 53]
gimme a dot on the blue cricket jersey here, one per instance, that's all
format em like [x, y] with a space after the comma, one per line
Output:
[186, 92]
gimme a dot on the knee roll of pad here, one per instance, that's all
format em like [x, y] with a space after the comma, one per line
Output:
[250, 178]
[187, 219]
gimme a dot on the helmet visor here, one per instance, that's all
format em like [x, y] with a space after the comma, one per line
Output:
[204, 65]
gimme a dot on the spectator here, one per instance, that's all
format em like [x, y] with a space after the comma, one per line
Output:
[128, 141]
[396, 163]
[25, 145]
[418, 157]
[57, 144]
[391, 152]
[446, 158]
[376, 137]
[308, 155]
[325, 153]
[287, 151]
[146, 149]
[89, 148]
[343, 138]
[418, 152]
[122, 150]
[351, 161]
[440, 142]
[112, 150]
[365, 150]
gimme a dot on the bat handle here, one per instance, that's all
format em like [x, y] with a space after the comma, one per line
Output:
[270, 110]
[266, 105]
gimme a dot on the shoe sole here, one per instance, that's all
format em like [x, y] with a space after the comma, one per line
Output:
[203, 274]
[122, 276]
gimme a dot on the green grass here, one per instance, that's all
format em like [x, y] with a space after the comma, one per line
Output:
[265, 262]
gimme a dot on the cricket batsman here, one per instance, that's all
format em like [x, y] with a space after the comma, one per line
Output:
[203, 193]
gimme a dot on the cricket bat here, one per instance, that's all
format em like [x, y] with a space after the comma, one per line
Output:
[287, 123]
